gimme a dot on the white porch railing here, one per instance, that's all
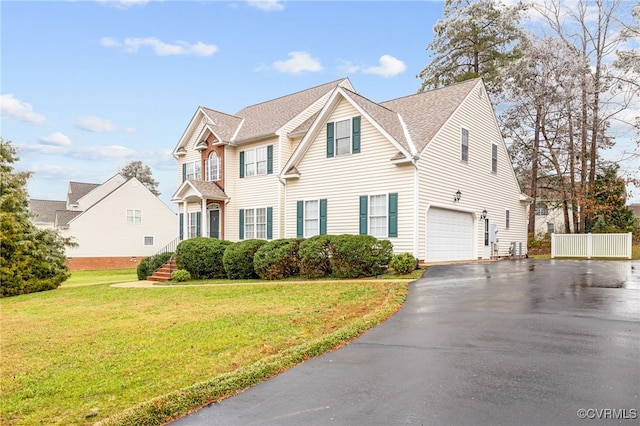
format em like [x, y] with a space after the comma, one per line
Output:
[591, 245]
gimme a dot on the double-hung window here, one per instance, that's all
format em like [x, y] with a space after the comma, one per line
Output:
[193, 229]
[464, 145]
[212, 167]
[379, 215]
[343, 137]
[311, 218]
[256, 223]
[192, 170]
[494, 158]
[134, 216]
[258, 161]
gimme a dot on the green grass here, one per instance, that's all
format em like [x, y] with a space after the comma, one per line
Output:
[86, 353]
[107, 276]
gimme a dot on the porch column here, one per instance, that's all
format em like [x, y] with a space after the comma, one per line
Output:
[185, 221]
[204, 223]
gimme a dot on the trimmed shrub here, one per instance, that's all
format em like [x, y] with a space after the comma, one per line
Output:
[277, 259]
[354, 256]
[148, 265]
[315, 254]
[238, 259]
[202, 257]
[403, 263]
[180, 275]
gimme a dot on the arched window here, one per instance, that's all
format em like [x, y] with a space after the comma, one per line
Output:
[541, 209]
[213, 167]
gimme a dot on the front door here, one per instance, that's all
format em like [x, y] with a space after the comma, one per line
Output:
[214, 223]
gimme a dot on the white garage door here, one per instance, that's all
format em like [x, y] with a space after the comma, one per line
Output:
[449, 235]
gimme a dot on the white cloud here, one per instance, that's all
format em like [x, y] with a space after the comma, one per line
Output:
[99, 125]
[298, 62]
[160, 48]
[10, 107]
[103, 152]
[389, 67]
[347, 67]
[266, 5]
[124, 4]
[56, 139]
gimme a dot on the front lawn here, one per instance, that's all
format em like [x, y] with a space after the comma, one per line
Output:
[81, 354]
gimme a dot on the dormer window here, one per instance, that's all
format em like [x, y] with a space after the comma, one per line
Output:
[343, 137]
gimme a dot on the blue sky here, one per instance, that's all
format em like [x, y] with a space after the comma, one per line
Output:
[88, 86]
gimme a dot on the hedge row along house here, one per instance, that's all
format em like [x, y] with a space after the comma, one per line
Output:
[429, 171]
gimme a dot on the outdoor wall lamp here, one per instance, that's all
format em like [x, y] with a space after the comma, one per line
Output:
[484, 214]
[456, 197]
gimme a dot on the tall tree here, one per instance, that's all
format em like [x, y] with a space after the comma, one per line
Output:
[598, 29]
[31, 259]
[135, 169]
[475, 38]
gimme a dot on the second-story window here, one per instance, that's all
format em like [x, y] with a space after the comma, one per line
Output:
[193, 170]
[212, 167]
[258, 161]
[464, 145]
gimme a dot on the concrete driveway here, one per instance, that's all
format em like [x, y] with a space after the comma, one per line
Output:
[502, 343]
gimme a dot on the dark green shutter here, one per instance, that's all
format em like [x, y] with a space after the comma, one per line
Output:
[184, 172]
[323, 216]
[181, 226]
[364, 214]
[300, 219]
[330, 140]
[393, 214]
[198, 224]
[241, 224]
[241, 164]
[269, 223]
[270, 159]
[355, 135]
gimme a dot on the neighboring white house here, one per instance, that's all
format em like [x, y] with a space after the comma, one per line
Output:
[550, 218]
[429, 172]
[115, 224]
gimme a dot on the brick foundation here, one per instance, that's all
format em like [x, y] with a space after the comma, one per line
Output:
[95, 263]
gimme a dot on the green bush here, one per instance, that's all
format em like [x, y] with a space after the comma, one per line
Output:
[180, 275]
[315, 255]
[148, 265]
[202, 257]
[354, 256]
[277, 259]
[238, 259]
[403, 263]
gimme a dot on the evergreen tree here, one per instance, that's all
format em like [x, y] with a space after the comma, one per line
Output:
[31, 259]
[475, 38]
[608, 205]
[135, 169]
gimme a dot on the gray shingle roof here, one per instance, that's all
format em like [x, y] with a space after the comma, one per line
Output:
[63, 217]
[78, 190]
[425, 113]
[224, 125]
[209, 189]
[267, 117]
[44, 211]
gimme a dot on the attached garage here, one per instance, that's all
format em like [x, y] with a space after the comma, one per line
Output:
[449, 235]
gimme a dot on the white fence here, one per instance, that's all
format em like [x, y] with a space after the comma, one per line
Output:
[591, 245]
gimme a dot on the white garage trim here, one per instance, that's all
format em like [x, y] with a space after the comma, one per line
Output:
[450, 234]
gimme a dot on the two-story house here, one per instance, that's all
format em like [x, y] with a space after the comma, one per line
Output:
[430, 172]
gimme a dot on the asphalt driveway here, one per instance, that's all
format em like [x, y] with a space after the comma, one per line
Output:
[502, 343]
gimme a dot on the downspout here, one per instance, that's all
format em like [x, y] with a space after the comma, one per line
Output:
[283, 208]
[416, 204]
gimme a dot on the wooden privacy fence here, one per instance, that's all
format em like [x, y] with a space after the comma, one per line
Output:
[591, 245]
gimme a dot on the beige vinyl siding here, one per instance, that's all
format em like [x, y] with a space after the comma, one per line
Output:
[192, 153]
[250, 191]
[103, 231]
[343, 179]
[100, 192]
[442, 173]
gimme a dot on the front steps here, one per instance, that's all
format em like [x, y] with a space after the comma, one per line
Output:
[163, 273]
